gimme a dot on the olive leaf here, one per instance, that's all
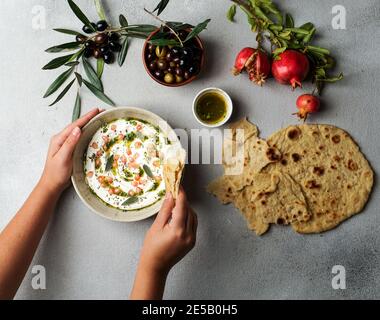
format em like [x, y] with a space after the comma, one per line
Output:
[99, 67]
[80, 15]
[137, 35]
[164, 42]
[72, 63]
[148, 171]
[123, 21]
[58, 82]
[129, 201]
[62, 94]
[92, 75]
[57, 62]
[231, 13]
[98, 93]
[144, 28]
[69, 46]
[100, 9]
[67, 31]
[77, 108]
[161, 6]
[79, 78]
[77, 55]
[123, 52]
[109, 163]
[197, 30]
[177, 26]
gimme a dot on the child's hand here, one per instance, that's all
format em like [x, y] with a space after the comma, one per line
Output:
[171, 236]
[58, 166]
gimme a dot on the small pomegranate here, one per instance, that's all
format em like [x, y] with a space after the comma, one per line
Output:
[255, 62]
[291, 67]
[307, 103]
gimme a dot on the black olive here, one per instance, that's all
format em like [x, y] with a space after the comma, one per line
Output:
[114, 36]
[114, 46]
[176, 60]
[104, 49]
[87, 29]
[150, 56]
[183, 62]
[170, 70]
[186, 75]
[97, 54]
[108, 57]
[153, 65]
[88, 52]
[101, 25]
[197, 52]
[162, 64]
[159, 74]
[187, 53]
[183, 34]
[80, 38]
[169, 56]
[172, 64]
[151, 47]
[179, 72]
[89, 44]
[101, 38]
[194, 69]
[175, 50]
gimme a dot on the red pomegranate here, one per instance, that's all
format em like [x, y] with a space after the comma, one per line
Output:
[307, 103]
[255, 62]
[291, 67]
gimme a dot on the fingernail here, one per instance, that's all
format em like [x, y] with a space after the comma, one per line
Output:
[168, 195]
[101, 110]
[76, 131]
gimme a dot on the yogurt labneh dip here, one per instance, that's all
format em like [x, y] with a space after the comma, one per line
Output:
[123, 165]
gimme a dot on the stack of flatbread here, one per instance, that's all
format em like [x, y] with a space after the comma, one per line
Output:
[311, 177]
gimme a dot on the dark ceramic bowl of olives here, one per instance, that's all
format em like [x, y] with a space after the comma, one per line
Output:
[174, 66]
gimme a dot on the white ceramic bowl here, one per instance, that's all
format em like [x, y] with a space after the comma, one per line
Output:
[78, 176]
[229, 107]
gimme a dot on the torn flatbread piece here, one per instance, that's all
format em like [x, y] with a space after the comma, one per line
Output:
[173, 166]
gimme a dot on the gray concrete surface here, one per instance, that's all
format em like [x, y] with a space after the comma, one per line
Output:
[89, 257]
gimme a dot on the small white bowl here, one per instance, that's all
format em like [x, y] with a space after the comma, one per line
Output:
[229, 107]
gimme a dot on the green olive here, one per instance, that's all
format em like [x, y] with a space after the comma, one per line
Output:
[178, 79]
[172, 64]
[161, 52]
[169, 78]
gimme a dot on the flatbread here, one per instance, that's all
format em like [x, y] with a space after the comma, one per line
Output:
[333, 174]
[242, 158]
[272, 199]
[173, 167]
[311, 177]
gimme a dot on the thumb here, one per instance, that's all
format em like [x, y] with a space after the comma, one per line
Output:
[166, 211]
[68, 147]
